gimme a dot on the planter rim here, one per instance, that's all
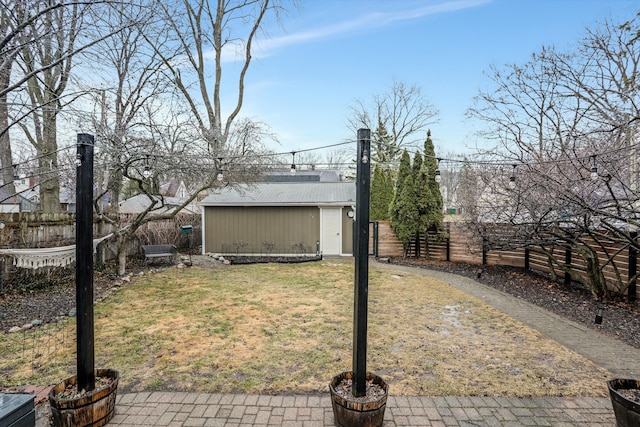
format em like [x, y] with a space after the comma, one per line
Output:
[370, 375]
[95, 394]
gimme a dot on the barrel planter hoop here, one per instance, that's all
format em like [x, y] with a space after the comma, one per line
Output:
[627, 411]
[358, 413]
[94, 409]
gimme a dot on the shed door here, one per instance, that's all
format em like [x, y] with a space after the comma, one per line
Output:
[331, 229]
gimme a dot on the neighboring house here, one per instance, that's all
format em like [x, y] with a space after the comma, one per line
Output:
[68, 198]
[9, 203]
[174, 189]
[280, 219]
[29, 199]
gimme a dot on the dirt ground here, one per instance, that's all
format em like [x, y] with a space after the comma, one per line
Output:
[620, 319]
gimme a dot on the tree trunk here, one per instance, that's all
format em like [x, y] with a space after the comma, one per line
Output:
[48, 164]
[597, 282]
[6, 158]
[122, 254]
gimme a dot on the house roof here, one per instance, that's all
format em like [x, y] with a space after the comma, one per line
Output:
[285, 194]
[140, 202]
[7, 198]
[303, 175]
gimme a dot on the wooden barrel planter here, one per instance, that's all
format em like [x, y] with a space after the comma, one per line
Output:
[358, 412]
[94, 409]
[627, 411]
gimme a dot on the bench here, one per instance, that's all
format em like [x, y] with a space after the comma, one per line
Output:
[159, 251]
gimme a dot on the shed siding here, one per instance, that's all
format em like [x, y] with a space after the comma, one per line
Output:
[284, 227]
[347, 232]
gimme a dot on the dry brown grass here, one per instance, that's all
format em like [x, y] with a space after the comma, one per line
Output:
[287, 328]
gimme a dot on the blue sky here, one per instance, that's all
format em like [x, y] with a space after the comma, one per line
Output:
[303, 81]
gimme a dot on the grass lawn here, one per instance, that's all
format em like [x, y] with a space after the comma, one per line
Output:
[273, 328]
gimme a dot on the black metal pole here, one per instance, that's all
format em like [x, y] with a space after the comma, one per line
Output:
[567, 262]
[484, 250]
[633, 266]
[375, 239]
[361, 286]
[84, 263]
[526, 259]
[448, 255]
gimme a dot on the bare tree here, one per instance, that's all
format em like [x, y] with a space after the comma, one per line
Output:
[564, 172]
[205, 33]
[8, 53]
[401, 117]
[56, 36]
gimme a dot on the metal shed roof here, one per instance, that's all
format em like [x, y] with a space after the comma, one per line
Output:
[285, 194]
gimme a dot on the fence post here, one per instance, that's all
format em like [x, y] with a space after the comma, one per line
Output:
[484, 250]
[633, 262]
[526, 259]
[448, 256]
[567, 261]
[375, 239]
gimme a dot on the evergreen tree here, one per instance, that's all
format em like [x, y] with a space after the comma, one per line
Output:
[385, 149]
[389, 190]
[417, 197]
[381, 194]
[430, 200]
[404, 214]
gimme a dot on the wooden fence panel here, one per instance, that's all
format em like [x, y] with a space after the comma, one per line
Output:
[465, 247]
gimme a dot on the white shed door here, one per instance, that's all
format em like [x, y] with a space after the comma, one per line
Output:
[331, 231]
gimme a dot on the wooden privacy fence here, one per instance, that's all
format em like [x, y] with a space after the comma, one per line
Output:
[44, 230]
[618, 261]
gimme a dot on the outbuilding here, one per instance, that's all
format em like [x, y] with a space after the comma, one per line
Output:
[280, 218]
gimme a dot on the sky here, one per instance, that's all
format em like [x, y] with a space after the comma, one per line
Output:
[304, 79]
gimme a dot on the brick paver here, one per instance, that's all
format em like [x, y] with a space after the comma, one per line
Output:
[401, 411]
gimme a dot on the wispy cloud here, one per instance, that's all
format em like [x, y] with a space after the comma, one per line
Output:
[366, 22]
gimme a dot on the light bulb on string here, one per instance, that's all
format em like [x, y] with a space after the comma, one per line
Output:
[512, 178]
[292, 171]
[594, 169]
[146, 173]
[365, 157]
[438, 177]
[220, 175]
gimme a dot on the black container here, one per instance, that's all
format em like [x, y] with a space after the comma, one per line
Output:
[627, 411]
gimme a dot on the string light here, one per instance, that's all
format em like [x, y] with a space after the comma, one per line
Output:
[512, 178]
[130, 149]
[594, 169]
[220, 175]
[292, 171]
